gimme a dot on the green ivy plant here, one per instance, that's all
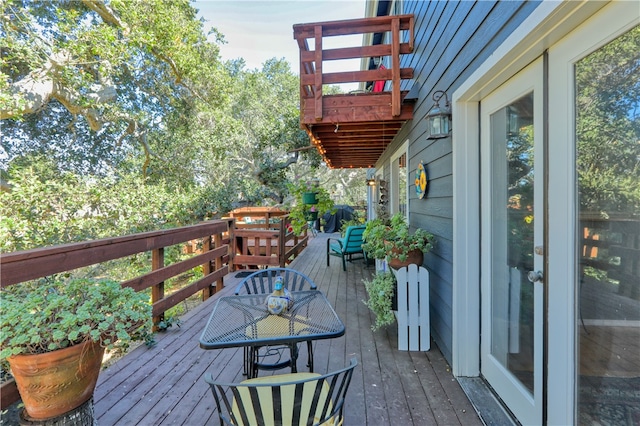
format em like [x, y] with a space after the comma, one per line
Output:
[383, 235]
[381, 289]
[167, 323]
[43, 316]
[298, 211]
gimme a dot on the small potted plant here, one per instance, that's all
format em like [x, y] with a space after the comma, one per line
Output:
[382, 291]
[390, 239]
[61, 329]
[301, 213]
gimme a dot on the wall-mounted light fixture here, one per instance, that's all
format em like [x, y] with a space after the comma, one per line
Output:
[371, 182]
[439, 117]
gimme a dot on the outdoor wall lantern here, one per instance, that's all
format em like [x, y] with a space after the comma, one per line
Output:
[371, 182]
[439, 118]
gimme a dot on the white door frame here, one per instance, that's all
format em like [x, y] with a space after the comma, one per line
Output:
[549, 23]
[590, 36]
[527, 406]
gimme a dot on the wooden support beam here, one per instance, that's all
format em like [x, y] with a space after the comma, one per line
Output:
[376, 24]
[395, 74]
[318, 74]
[379, 115]
[357, 76]
[157, 291]
[308, 57]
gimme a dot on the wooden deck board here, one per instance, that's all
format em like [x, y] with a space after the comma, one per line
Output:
[164, 385]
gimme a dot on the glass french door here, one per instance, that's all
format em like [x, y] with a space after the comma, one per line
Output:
[512, 247]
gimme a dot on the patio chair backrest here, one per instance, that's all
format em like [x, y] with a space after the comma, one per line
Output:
[262, 281]
[287, 399]
[352, 241]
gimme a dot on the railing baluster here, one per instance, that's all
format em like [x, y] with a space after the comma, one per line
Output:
[218, 263]
[157, 291]
[318, 74]
[207, 268]
[395, 69]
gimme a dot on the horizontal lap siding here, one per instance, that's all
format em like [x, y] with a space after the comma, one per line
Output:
[452, 39]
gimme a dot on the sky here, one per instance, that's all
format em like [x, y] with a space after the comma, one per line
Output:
[259, 30]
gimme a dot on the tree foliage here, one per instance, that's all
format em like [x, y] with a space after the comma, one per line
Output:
[608, 127]
[48, 206]
[120, 117]
[116, 68]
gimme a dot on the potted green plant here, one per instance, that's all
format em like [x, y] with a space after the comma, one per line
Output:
[382, 290]
[301, 213]
[61, 329]
[390, 239]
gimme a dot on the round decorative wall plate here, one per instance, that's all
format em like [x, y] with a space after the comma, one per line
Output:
[421, 181]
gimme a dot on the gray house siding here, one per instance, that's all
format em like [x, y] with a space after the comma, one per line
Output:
[452, 39]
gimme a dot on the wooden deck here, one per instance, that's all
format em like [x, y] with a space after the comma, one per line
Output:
[164, 385]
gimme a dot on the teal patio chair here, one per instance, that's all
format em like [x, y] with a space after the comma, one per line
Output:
[348, 246]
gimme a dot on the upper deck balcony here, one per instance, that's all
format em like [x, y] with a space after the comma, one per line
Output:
[354, 129]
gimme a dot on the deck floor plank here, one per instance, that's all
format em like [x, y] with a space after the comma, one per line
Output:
[164, 385]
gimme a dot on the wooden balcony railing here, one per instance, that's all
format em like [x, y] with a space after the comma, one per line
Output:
[311, 73]
[28, 265]
[261, 238]
[353, 129]
[217, 248]
[215, 236]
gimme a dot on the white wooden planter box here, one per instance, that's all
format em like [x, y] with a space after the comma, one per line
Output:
[413, 308]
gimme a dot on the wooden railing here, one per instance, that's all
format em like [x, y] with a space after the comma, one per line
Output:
[214, 258]
[261, 238]
[259, 217]
[217, 243]
[312, 77]
[612, 245]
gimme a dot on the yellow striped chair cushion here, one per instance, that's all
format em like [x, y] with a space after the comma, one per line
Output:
[269, 404]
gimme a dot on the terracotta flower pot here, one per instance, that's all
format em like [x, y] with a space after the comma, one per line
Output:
[414, 256]
[54, 383]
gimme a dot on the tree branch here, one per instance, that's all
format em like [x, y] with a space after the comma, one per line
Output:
[107, 14]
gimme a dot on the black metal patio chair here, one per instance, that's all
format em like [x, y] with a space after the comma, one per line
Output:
[286, 399]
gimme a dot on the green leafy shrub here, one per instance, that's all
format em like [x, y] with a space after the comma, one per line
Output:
[381, 289]
[382, 236]
[39, 317]
[298, 211]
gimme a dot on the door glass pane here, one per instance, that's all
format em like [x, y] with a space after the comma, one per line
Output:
[608, 174]
[512, 218]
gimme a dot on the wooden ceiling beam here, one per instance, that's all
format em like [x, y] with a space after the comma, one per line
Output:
[360, 127]
[328, 141]
[354, 115]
